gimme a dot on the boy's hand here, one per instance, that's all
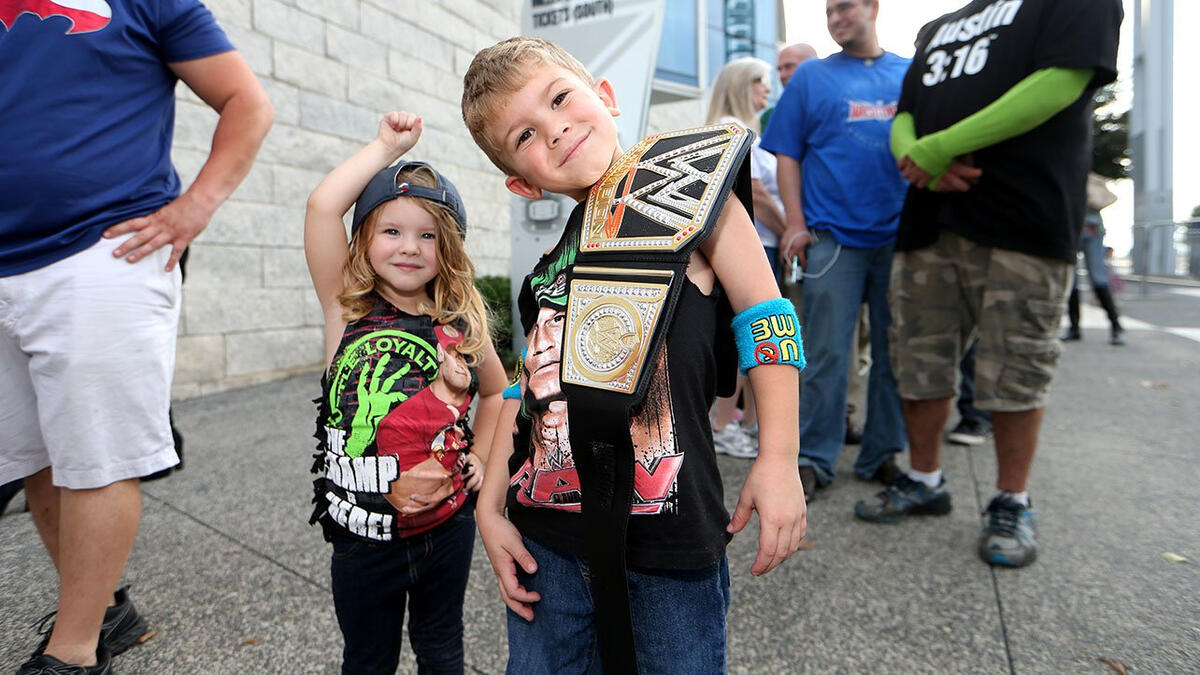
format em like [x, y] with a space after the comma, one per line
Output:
[505, 550]
[773, 489]
[399, 131]
[177, 223]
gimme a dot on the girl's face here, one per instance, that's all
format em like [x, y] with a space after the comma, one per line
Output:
[403, 253]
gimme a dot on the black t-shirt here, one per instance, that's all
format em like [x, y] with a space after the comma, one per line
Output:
[678, 514]
[1030, 197]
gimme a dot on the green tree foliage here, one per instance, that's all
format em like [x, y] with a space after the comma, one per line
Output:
[496, 294]
[1110, 136]
[1196, 211]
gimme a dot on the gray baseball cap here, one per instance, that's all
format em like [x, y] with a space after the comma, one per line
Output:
[387, 185]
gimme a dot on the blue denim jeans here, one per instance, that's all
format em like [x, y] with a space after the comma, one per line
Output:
[678, 619]
[831, 301]
[372, 583]
[966, 391]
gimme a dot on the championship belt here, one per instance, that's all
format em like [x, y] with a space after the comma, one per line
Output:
[640, 224]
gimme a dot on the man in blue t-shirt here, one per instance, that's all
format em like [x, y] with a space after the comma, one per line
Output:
[834, 118]
[92, 224]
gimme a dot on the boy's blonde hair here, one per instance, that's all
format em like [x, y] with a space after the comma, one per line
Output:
[455, 298]
[501, 70]
[732, 92]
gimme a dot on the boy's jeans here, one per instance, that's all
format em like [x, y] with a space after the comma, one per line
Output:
[678, 619]
[372, 583]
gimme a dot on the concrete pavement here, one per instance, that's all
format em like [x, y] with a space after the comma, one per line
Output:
[235, 581]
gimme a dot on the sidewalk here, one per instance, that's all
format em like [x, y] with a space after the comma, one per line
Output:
[235, 581]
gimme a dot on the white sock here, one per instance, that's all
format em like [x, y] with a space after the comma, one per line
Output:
[931, 478]
[1021, 498]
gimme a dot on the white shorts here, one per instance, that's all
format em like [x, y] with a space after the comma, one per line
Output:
[87, 352]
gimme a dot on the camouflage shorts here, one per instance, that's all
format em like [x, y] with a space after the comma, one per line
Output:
[942, 295]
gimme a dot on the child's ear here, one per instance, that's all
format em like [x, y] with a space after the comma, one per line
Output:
[604, 90]
[521, 188]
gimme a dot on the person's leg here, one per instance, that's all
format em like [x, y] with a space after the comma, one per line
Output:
[974, 425]
[1018, 353]
[856, 377]
[884, 433]
[435, 602]
[370, 582]
[562, 636]
[101, 336]
[1016, 442]
[692, 638]
[831, 303]
[1073, 332]
[96, 529]
[1093, 256]
[929, 324]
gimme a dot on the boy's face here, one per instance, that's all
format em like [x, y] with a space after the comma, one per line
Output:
[557, 133]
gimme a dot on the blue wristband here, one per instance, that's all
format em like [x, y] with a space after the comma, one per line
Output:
[768, 334]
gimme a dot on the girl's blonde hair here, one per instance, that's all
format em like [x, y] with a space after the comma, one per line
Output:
[455, 298]
[732, 92]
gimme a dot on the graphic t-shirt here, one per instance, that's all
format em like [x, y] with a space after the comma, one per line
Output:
[1031, 195]
[835, 118]
[89, 109]
[376, 418]
[678, 513]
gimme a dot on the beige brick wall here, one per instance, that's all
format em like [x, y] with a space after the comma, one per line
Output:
[331, 68]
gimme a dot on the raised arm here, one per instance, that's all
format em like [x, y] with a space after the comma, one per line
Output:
[325, 245]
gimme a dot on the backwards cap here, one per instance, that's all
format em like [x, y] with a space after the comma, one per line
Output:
[386, 186]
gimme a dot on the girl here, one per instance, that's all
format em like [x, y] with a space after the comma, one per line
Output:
[407, 348]
[739, 94]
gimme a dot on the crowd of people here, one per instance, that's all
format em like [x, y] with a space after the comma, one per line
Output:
[932, 208]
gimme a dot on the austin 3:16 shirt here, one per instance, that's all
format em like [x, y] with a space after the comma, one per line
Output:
[1030, 197]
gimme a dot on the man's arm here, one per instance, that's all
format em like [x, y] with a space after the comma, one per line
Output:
[1024, 107]
[795, 238]
[227, 85]
[765, 209]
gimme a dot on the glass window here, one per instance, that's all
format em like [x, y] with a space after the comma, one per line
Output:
[678, 57]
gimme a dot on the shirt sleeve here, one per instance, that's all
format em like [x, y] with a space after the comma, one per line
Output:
[756, 160]
[187, 31]
[1080, 34]
[787, 134]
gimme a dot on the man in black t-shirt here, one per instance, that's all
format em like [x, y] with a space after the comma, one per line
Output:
[993, 133]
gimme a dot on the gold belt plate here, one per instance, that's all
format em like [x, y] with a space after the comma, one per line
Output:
[609, 326]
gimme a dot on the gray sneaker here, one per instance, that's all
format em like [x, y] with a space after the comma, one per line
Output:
[734, 442]
[1008, 536]
[905, 497]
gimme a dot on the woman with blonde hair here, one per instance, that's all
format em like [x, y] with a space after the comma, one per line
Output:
[739, 94]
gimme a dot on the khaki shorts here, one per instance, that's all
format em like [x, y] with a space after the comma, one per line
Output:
[941, 295]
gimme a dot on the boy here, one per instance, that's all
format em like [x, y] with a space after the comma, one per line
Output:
[585, 457]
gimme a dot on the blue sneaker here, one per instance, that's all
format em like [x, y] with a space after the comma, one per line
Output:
[903, 497]
[1008, 536]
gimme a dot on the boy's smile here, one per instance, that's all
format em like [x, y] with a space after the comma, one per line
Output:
[557, 133]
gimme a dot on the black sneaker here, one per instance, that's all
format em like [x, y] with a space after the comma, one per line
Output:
[10, 490]
[903, 497]
[1071, 334]
[1117, 337]
[1008, 536]
[123, 626]
[968, 432]
[854, 434]
[44, 664]
[808, 480]
[887, 473]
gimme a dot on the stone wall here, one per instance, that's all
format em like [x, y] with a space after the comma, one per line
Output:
[331, 68]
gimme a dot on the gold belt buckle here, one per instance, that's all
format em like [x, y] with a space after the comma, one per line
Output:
[610, 322]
